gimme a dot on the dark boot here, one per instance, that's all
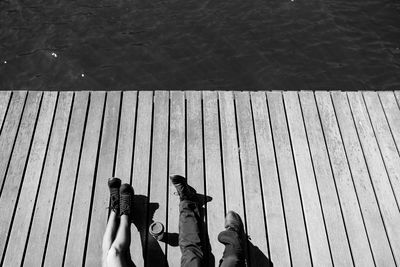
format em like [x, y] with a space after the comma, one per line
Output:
[234, 222]
[185, 191]
[126, 197]
[114, 185]
[233, 237]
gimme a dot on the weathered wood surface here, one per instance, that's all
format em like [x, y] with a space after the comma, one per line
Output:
[315, 176]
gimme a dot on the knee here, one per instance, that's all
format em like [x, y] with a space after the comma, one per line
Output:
[114, 252]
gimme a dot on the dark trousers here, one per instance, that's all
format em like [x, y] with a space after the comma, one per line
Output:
[192, 246]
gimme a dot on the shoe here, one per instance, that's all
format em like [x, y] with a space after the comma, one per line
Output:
[114, 185]
[233, 222]
[185, 191]
[126, 197]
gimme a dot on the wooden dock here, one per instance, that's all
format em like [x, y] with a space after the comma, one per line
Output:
[315, 176]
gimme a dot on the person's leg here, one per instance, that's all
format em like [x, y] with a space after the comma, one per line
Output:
[190, 241]
[113, 220]
[109, 234]
[233, 238]
[189, 234]
[119, 251]
[118, 254]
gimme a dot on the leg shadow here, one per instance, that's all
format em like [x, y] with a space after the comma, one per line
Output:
[256, 256]
[209, 259]
[152, 253]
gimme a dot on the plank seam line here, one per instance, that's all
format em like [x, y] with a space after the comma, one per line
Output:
[121, 97]
[241, 182]
[41, 176]
[94, 180]
[388, 123]
[76, 178]
[58, 181]
[279, 179]
[333, 176]
[316, 181]
[259, 178]
[145, 247]
[186, 138]
[397, 99]
[369, 175]
[380, 151]
[221, 151]
[297, 177]
[351, 175]
[207, 245]
[134, 137]
[167, 185]
[22, 180]
[14, 142]
[5, 114]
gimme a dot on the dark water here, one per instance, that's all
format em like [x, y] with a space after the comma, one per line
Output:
[200, 44]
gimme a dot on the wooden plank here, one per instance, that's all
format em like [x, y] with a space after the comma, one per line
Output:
[36, 241]
[99, 212]
[9, 132]
[194, 150]
[252, 187]
[300, 254]
[194, 154]
[35, 172]
[392, 114]
[371, 211]
[213, 171]
[123, 167]
[397, 94]
[75, 248]
[234, 199]
[387, 146]
[348, 200]
[230, 155]
[159, 177]
[124, 161]
[383, 190]
[58, 225]
[318, 240]
[176, 166]
[278, 242]
[5, 98]
[17, 167]
[141, 173]
[332, 210]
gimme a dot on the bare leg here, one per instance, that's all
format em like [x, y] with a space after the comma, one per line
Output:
[109, 235]
[118, 254]
[123, 239]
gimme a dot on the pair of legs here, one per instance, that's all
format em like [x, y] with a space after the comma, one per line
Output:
[190, 241]
[117, 237]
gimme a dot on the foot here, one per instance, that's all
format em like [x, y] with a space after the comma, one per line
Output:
[114, 185]
[126, 197]
[185, 191]
[233, 222]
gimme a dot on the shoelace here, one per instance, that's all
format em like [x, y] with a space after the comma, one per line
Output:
[114, 199]
[125, 204]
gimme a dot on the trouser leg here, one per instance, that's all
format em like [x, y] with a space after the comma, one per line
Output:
[189, 234]
[234, 252]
